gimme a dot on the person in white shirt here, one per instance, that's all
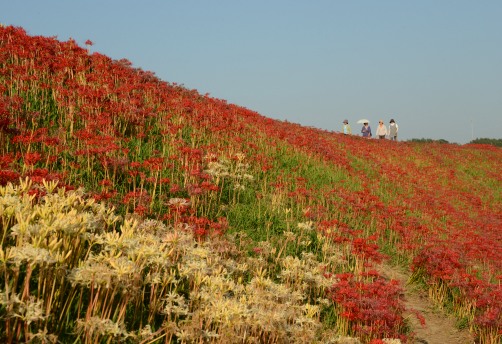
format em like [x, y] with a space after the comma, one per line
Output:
[346, 128]
[381, 130]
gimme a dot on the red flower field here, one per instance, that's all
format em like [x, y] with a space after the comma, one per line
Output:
[275, 212]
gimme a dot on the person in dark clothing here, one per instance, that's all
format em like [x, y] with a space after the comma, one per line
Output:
[366, 130]
[393, 129]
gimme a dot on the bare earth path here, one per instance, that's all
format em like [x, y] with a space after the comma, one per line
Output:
[439, 328]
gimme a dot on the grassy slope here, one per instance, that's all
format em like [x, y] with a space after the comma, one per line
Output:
[139, 144]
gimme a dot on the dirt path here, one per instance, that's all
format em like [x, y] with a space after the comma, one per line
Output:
[439, 328]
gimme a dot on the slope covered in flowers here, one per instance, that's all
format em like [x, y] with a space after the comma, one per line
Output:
[139, 210]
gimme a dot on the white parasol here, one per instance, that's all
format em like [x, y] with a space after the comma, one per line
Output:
[362, 121]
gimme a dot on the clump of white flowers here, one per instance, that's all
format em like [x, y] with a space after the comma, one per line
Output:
[77, 266]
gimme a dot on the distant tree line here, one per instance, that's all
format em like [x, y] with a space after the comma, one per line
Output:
[486, 141]
[428, 140]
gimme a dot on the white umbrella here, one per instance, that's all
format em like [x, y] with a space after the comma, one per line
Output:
[362, 121]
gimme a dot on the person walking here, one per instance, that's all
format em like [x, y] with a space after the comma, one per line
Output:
[393, 129]
[366, 130]
[346, 128]
[381, 130]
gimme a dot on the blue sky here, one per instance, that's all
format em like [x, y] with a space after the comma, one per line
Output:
[435, 66]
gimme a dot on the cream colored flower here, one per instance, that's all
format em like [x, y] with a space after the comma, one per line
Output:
[179, 202]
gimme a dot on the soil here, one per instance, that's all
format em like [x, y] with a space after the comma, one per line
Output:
[439, 328]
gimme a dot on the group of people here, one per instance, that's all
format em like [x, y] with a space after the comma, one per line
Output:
[382, 131]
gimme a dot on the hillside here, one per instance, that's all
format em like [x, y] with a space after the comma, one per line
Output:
[140, 211]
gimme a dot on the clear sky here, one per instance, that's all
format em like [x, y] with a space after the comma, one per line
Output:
[435, 66]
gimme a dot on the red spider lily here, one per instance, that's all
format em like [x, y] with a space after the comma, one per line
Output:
[419, 316]
[37, 193]
[6, 160]
[105, 195]
[38, 175]
[360, 247]
[31, 159]
[372, 308]
[138, 198]
[7, 176]
[175, 188]
[106, 183]
[202, 226]
[141, 210]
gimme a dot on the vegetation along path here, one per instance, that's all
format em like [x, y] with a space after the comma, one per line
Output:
[429, 323]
